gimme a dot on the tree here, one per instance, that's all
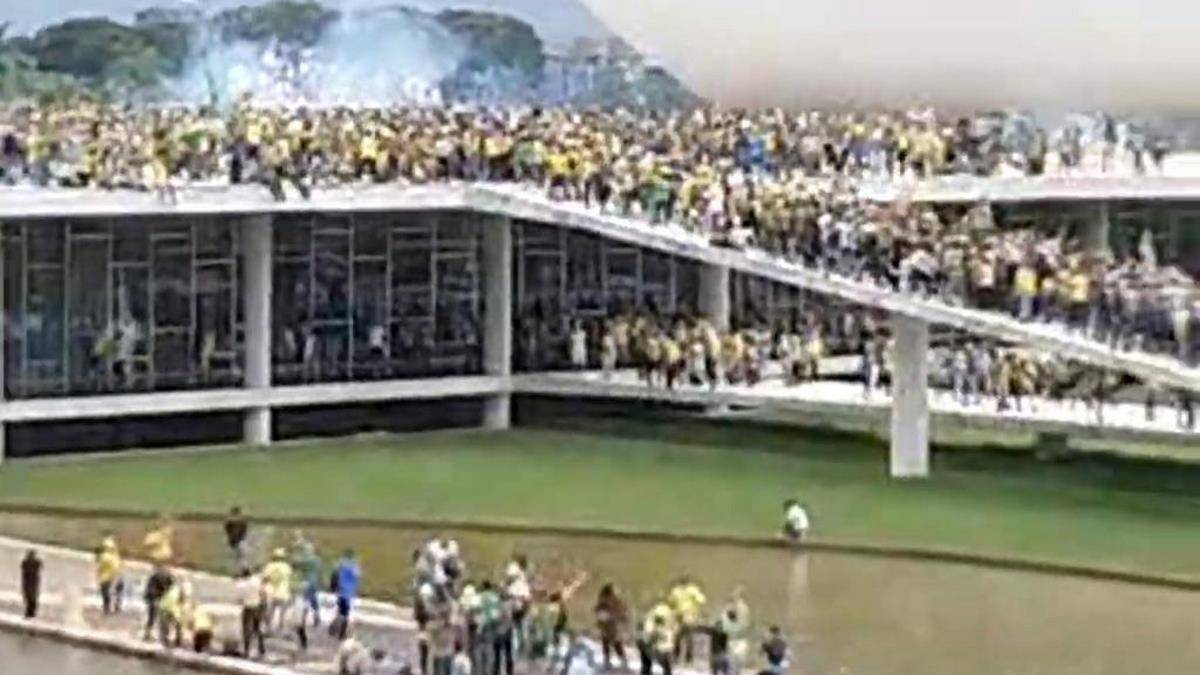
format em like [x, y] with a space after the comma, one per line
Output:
[88, 49]
[20, 77]
[496, 40]
[173, 32]
[295, 23]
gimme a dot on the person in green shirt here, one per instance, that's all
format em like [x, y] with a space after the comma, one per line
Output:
[306, 566]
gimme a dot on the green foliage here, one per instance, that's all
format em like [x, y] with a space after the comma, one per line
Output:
[173, 33]
[20, 77]
[296, 23]
[135, 60]
[91, 49]
[496, 39]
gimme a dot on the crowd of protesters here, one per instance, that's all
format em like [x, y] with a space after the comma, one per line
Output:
[668, 351]
[472, 625]
[669, 159]
[782, 182]
[681, 350]
[468, 623]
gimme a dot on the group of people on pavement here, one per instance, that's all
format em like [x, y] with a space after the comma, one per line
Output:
[278, 598]
[467, 624]
[476, 625]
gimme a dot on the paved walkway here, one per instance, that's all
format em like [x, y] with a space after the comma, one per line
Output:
[833, 399]
[68, 574]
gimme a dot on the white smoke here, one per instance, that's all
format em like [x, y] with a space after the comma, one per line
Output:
[371, 57]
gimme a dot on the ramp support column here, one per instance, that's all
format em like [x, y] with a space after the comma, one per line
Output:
[497, 317]
[257, 250]
[714, 295]
[910, 404]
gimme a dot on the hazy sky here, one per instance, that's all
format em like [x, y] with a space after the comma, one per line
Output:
[1049, 54]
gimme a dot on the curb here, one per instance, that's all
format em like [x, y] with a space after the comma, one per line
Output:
[129, 647]
[620, 534]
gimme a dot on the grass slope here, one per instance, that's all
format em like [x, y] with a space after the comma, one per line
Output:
[696, 478]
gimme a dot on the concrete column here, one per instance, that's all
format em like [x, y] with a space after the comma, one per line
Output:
[257, 249]
[910, 405]
[714, 295]
[1096, 236]
[497, 316]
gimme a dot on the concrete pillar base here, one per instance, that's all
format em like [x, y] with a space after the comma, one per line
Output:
[497, 412]
[910, 403]
[714, 295]
[256, 427]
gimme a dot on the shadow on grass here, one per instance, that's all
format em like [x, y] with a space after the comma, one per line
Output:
[1107, 469]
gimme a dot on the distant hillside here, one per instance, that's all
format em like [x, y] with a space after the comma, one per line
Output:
[557, 21]
[306, 50]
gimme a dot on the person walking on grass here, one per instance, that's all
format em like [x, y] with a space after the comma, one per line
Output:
[31, 583]
[795, 521]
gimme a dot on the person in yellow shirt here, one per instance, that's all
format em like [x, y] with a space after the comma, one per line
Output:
[171, 612]
[672, 361]
[687, 602]
[159, 543]
[1025, 287]
[277, 586]
[1079, 293]
[558, 172]
[657, 641]
[108, 575]
[200, 625]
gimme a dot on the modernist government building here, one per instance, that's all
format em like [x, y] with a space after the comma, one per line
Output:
[231, 318]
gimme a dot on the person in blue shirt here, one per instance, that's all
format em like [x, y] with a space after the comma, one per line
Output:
[347, 577]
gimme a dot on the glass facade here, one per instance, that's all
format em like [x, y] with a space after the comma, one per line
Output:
[375, 296]
[757, 302]
[1173, 227]
[561, 277]
[102, 306]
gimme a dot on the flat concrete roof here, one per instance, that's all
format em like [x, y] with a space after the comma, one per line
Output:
[960, 189]
[30, 202]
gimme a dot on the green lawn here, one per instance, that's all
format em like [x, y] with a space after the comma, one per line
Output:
[678, 477]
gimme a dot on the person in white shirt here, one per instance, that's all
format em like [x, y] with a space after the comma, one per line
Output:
[252, 598]
[796, 523]
[578, 347]
[608, 350]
